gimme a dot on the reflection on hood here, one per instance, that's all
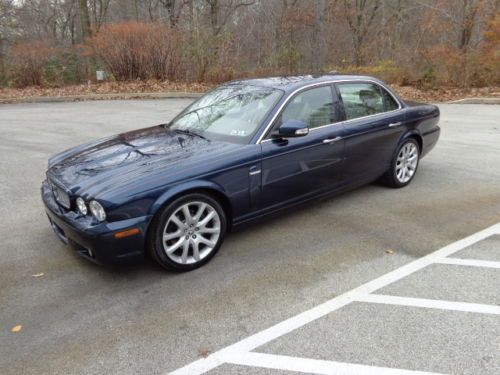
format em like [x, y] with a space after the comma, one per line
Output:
[142, 149]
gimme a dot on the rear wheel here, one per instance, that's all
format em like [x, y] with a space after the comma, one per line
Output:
[404, 164]
[188, 232]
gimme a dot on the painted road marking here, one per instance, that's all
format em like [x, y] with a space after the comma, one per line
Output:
[316, 366]
[430, 303]
[470, 262]
[232, 352]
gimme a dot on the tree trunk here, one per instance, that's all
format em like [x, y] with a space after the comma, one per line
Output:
[86, 32]
[319, 56]
[84, 19]
[470, 9]
[214, 15]
[191, 14]
[136, 10]
[2, 64]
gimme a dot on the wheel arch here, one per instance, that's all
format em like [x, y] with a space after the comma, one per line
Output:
[206, 187]
[416, 136]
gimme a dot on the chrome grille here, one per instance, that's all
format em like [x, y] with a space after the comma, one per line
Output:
[60, 195]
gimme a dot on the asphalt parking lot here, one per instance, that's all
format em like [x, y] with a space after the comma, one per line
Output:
[375, 281]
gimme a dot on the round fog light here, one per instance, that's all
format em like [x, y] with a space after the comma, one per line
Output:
[97, 210]
[82, 207]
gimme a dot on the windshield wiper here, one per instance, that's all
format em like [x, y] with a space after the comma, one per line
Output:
[191, 133]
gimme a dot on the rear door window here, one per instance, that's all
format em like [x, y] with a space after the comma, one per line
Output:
[365, 99]
[389, 102]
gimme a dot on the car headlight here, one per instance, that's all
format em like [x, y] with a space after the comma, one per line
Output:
[82, 207]
[97, 210]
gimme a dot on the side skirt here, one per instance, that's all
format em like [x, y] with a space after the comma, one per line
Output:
[297, 202]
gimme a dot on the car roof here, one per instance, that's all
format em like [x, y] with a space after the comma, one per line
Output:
[291, 83]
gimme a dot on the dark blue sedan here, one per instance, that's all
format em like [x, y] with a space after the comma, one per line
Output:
[242, 151]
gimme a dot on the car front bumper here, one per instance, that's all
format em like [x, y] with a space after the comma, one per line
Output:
[96, 242]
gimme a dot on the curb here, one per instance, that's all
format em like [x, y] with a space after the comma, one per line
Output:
[124, 96]
[475, 101]
[174, 95]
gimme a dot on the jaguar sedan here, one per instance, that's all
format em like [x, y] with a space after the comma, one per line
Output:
[244, 150]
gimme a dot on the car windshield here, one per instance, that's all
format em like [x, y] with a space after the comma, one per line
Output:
[231, 113]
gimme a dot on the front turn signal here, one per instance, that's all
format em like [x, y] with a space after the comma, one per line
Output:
[127, 233]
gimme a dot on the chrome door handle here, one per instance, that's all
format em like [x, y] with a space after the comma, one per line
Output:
[395, 124]
[332, 140]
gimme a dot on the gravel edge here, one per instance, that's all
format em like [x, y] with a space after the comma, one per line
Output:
[175, 95]
[125, 96]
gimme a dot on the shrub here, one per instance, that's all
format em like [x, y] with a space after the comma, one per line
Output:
[132, 50]
[135, 50]
[209, 58]
[472, 68]
[288, 57]
[491, 52]
[447, 63]
[385, 70]
[26, 63]
[3, 77]
[65, 67]
[428, 79]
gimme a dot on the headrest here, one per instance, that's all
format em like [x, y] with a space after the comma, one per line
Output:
[367, 94]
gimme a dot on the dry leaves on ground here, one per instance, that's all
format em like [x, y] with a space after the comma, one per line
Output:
[445, 94]
[103, 88]
[16, 329]
[204, 353]
[406, 92]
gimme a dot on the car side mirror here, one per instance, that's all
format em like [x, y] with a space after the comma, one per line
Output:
[293, 128]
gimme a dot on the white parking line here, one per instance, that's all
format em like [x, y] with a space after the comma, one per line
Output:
[430, 303]
[233, 352]
[316, 366]
[470, 262]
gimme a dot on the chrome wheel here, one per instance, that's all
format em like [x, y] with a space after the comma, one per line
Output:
[406, 162]
[191, 232]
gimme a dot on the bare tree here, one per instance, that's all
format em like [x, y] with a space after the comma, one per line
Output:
[320, 48]
[221, 12]
[84, 19]
[174, 9]
[7, 22]
[99, 12]
[409, 38]
[360, 15]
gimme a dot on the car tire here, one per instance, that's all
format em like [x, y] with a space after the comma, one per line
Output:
[183, 238]
[404, 164]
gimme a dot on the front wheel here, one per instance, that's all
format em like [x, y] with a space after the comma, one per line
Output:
[404, 164]
[188, 232]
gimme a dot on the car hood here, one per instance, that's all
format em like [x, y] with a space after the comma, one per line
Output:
[119, 159]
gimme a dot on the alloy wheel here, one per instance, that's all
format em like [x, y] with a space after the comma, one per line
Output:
[191, 232]
[406, 162]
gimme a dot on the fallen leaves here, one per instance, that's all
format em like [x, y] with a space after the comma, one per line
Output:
[204, 353]
[16, 329]
[444, 94]
[151, 86]
[104, 88]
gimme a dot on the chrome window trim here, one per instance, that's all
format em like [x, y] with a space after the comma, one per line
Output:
[280, 109]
